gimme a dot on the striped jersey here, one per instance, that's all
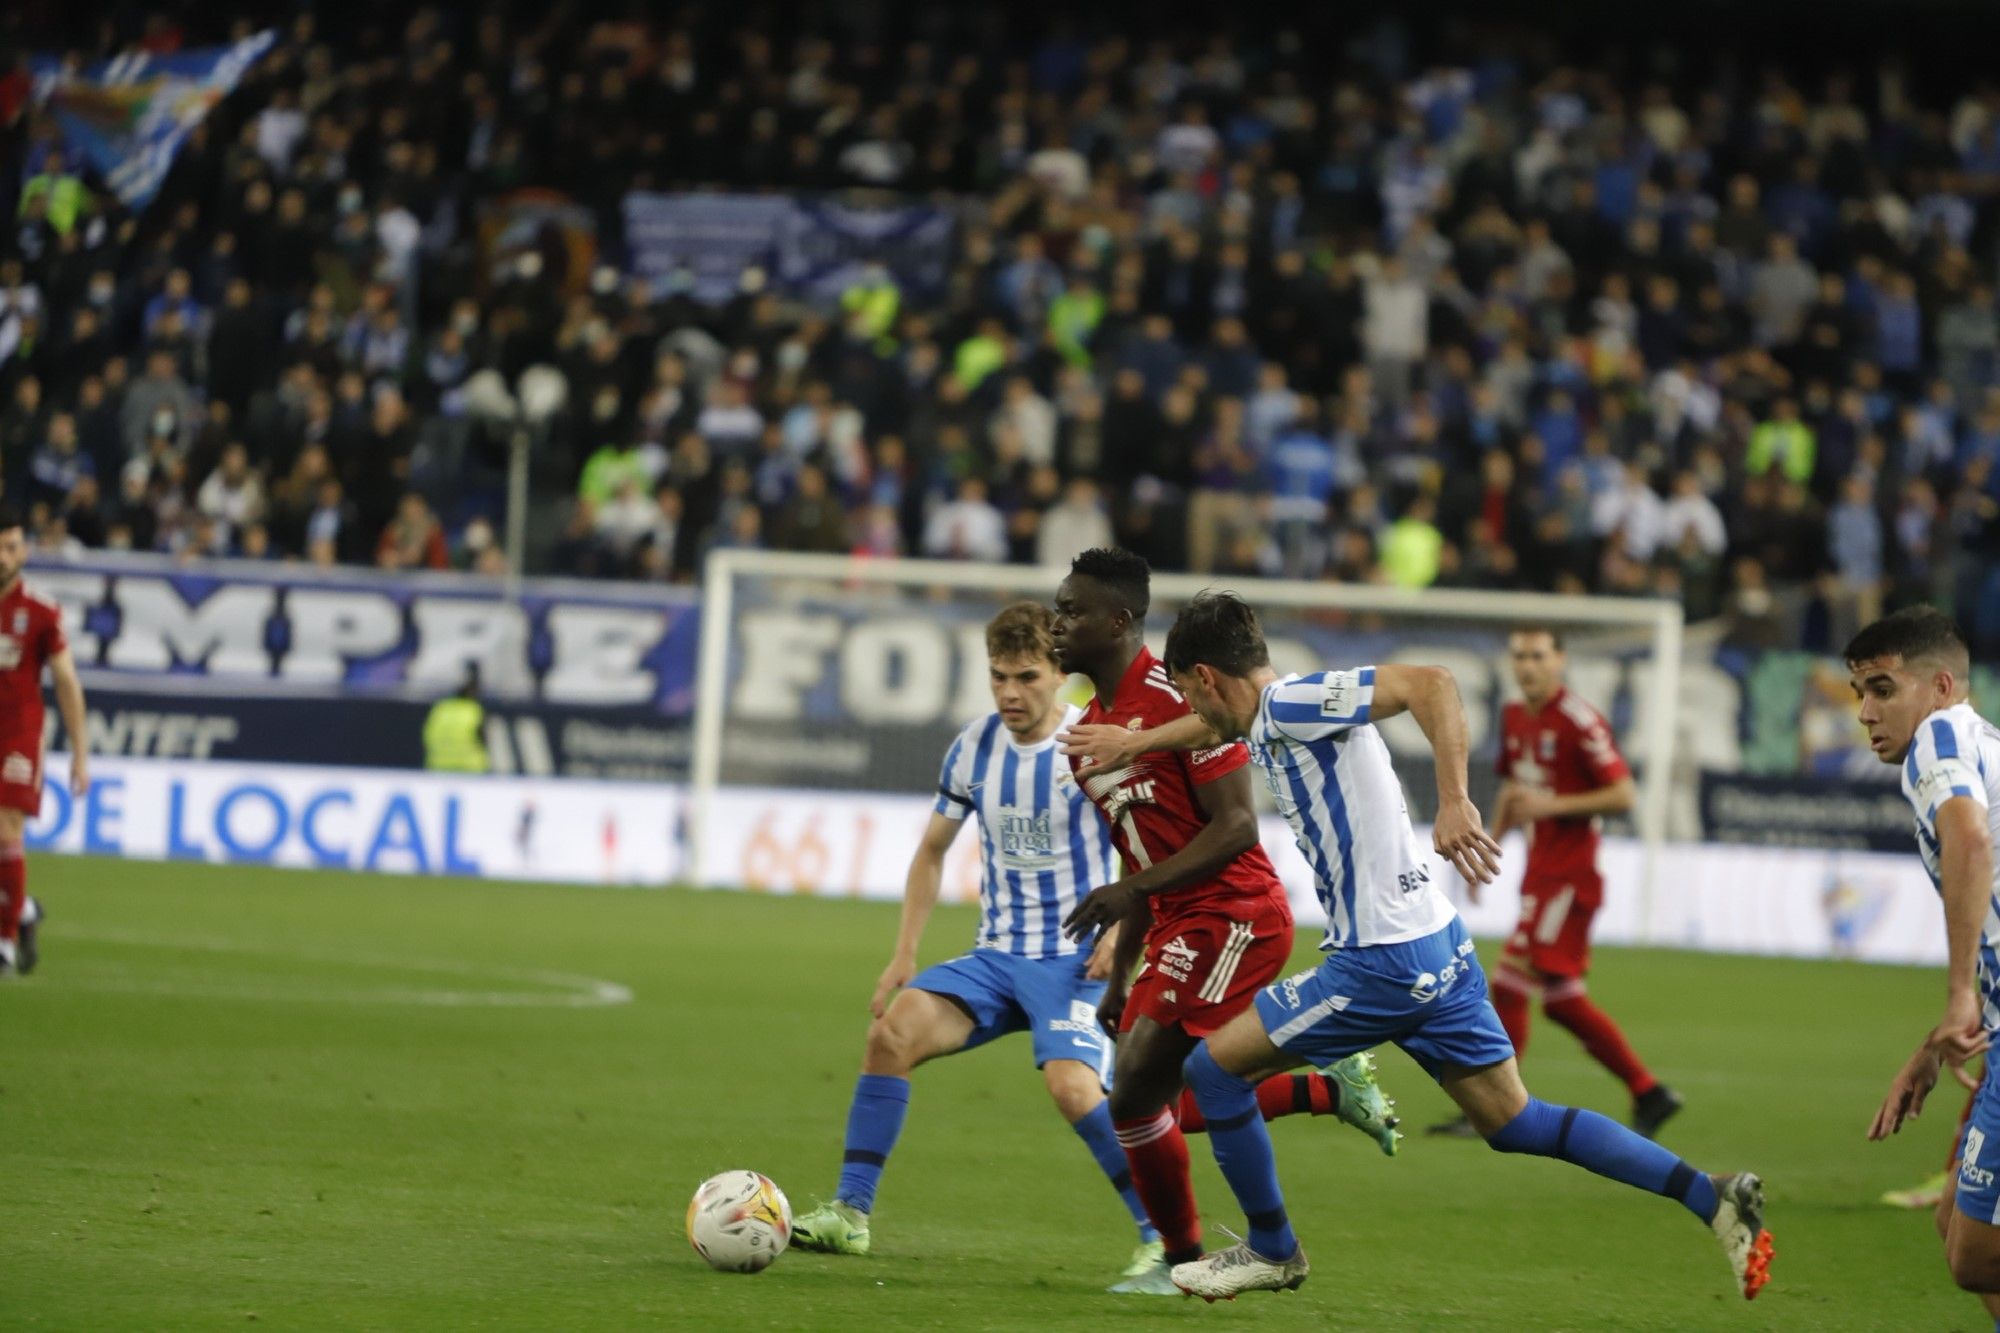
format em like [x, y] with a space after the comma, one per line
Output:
[1335, 785]
[1042, 845]
[1957, 753]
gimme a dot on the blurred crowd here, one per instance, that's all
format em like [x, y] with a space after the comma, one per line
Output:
[1320, 309]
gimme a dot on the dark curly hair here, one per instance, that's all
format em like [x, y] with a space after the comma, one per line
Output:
[1127, 576]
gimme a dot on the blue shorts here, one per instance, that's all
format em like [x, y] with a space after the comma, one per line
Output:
[1979, 1159]
[1005, 992]
[1428, 996]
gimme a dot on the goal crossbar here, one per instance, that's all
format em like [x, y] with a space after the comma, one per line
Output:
[1662, 621]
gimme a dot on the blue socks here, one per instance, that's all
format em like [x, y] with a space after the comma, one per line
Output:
[1098, 1135]
[874, 1121]
[1243, 1150]
[1606, 1147]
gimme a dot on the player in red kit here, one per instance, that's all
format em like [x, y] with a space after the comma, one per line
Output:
[1199, 896]
[1560, 771]
[31, 638]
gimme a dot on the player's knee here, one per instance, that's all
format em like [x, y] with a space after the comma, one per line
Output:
[1133, 1098]
[1974, 1269]
[1074, 1088]
[891, 1047]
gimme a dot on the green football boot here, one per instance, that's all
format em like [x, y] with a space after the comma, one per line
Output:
[1362, 1104]
[832, 1228]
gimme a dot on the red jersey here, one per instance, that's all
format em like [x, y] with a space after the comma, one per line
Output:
[1565, 748]
[30, 634]
[1151, 805]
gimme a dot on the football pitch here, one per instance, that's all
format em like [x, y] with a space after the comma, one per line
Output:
[237, 1097]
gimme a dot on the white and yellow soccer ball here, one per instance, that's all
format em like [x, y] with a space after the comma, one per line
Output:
[739, 1222]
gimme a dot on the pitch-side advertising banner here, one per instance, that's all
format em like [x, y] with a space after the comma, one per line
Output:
[365, 820]
[1877, 906]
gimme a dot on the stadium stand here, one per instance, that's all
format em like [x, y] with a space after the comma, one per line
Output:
[1244, 303]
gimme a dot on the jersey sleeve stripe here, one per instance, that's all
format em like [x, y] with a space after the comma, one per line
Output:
[1944, 738]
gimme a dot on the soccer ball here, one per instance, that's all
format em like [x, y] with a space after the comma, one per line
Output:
[739, 1222]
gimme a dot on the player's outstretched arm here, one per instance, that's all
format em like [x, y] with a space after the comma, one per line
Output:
[1430, 695]
[1231, 830]
[1965, 865]
[920, 895]
[69, 702]
[1115, 747]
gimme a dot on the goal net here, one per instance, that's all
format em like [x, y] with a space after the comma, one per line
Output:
[829, 689]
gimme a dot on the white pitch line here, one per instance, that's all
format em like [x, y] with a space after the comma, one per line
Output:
[567, 990]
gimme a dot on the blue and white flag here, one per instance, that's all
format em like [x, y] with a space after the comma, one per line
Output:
[126, 117]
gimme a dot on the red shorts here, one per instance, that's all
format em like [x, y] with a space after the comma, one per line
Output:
[1553, 934]
[1204, 965]
[21, 778]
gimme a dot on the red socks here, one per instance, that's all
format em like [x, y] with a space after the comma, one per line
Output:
[13, 888]
[1566, 1003]
[1158, 1157]
[1278, 1095]
[1511, 991]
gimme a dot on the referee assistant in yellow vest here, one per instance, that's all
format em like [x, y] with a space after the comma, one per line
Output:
[454, 733]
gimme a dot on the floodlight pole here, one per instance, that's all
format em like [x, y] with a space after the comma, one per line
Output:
[517, 508]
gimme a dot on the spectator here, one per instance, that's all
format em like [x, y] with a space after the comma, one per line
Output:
[1074, 524]
[813, 519]
[413, 539]
[232, 497]
[1691, 518]
[1412, 549]
[58, 465]
[1395, 332]
[1855, 545]
[1031, 417]
[1781, 290]
[967, 528]
[159, 406]
[625, 519]
[1783, 443]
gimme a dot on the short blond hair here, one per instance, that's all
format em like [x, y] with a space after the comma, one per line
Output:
[1025, 629]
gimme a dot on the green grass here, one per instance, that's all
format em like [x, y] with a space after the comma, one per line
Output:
[237, 1095]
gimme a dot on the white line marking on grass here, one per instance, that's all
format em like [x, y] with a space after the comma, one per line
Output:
[562, 990]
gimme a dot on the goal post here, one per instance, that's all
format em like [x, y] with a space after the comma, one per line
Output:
[827, 680]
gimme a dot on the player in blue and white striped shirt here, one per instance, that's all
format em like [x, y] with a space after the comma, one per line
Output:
[1400, 966]
[1042, 847]
[1911, 672]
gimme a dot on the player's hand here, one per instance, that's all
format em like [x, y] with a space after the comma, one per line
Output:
[1102, 744]
[1962, 1034]
[1099, 966]
[1912, 1085]
[1529, 807]
[79, 777]
[1103, 908]
[894, 977]
[1111, 1009]
[1461, 838]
